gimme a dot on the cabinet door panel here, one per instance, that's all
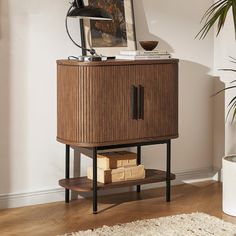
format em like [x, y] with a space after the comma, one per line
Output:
[95, 103]
[107, 95]
[160, 116]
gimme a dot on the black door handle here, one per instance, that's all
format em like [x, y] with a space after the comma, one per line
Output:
[140, 102]
[134, 101]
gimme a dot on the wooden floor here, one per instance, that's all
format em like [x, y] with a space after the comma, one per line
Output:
[59, 218]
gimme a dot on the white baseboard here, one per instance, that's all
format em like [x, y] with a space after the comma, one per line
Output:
[54, 195]
[218, 175]
[14, 200]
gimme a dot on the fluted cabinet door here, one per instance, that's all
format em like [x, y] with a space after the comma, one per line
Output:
[159, 85]
[96, 105]
[67, 103]
[105, 104]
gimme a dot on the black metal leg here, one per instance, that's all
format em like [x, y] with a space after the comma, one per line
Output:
[67, 191]
[168, 169]
[94, 180]
[138, 163]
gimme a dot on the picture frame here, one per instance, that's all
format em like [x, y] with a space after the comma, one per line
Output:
[108, 38]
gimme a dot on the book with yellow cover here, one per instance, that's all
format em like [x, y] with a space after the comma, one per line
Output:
[113, 160]
[119, 174]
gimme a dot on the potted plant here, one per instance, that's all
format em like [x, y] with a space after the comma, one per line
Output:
[216, 15]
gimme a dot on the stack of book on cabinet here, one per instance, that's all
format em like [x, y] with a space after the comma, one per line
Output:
[143, 55]
[117, 166]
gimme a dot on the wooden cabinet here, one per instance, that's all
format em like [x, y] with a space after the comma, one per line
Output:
[160, 91]
[116, 104]
[96, 102]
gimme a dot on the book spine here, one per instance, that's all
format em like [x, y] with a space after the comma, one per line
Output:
[153, 57]
[121, 57]
[125, 57]
[129, 53]
[152, 53]
[103, 163]
[107, 176]
[143, 53]
[116, 160]
[133, 173]
[117, 175]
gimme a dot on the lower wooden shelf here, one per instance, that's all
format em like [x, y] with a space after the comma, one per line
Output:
[82, 184]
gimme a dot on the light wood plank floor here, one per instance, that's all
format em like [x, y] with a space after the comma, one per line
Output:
[59, 218]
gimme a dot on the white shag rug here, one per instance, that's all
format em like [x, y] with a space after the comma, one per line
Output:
[195, 224]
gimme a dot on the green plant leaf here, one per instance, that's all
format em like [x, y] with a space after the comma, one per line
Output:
[232, 120]
[209, 24]
[222, 18]
[222, 90]
[212, 8]
[217, 13]
[234, 15]
[233, 58]
[232, 70]
[233, 100]
[230, 109]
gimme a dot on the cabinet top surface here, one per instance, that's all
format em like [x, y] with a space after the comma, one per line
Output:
[116, 62]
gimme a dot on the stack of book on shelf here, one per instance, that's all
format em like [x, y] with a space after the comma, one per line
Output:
[117, 166]
[142, 55]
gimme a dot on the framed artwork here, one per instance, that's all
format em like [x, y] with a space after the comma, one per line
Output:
[108, 38]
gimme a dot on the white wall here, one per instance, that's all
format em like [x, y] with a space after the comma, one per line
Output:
[176, 30]
[32, 37]
[225, 46]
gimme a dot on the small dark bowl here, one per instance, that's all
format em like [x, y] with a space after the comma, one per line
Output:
[148, 45]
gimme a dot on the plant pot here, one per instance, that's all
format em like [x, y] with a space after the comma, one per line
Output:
[229, 185]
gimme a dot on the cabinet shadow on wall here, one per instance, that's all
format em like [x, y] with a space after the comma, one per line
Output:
[143, 33]
[219, 120]
[201, 120]
[4, 100]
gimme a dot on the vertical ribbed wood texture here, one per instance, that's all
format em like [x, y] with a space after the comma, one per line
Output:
[160, 100]
[94, 103]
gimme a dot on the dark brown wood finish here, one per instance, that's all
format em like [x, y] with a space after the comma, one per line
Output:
[94, 102]
[83, 184]
[160, 87]
[120, 142]
[67, 101]
[116, 62]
